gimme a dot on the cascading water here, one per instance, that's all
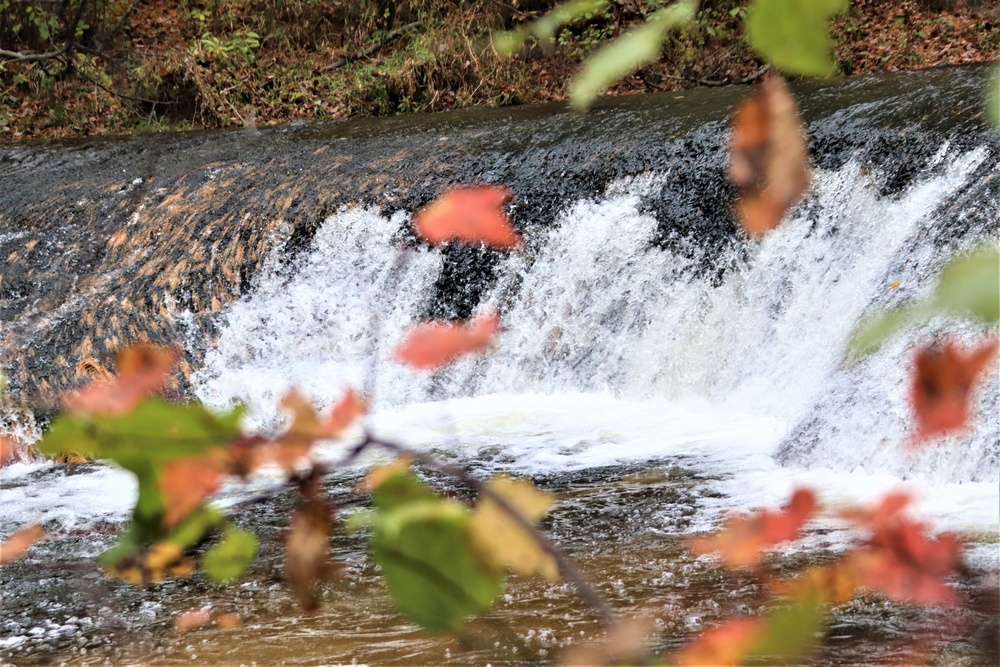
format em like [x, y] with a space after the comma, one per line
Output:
[593, 305]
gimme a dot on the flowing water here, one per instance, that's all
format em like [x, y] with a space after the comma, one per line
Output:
[654, 370]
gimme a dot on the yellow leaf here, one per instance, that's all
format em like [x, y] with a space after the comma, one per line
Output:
[499, 537]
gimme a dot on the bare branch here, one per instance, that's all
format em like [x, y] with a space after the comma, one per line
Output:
[32, 57]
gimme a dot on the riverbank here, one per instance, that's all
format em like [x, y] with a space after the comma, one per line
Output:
[159, 66]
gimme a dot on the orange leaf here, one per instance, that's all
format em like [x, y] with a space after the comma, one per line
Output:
[727, 644]
[944, 378]
[433, 344]
[344, 412]
[142, 370]
[191, 620]
[742, 538]
[19, 542]
[470, 214]
[186, 483]
[769, 162]
[8, 450]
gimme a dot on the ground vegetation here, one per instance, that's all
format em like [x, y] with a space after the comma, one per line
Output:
[97, 67]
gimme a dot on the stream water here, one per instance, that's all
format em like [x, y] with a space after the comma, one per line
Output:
[654, 369]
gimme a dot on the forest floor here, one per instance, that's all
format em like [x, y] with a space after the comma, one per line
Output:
[162, 65]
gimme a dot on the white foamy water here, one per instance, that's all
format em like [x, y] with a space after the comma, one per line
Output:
[615, 351]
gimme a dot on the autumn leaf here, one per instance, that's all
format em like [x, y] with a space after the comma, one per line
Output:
[343, 413]
[19, 542]
[297, 441]
[783, 635]
[142, 370]
[433, 344]
[192, 619]
[8, 450]
[501, 538]
[469, 214]
[743, 537]
[186, 483]
[305, 428]
[943, 380]
[900, 559]
[307, 545]
[726, 644]
[769, 162]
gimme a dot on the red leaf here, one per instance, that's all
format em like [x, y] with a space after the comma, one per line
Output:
[944, 378]
[900, 559]
[19, 542]
[769, 157]
[186, 483]
[469, 214]
[433, 344]
[142, 370]
[742, 538]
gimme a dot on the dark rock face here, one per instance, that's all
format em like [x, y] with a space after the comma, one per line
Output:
[106, 243]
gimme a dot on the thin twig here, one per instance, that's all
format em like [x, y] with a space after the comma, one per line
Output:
[569, 571]
[123, 95]
[398, 32]
[715, 84]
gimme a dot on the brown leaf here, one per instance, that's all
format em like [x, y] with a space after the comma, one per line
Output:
[19, 542]
[307, 546]
[470, 214]
[742, 538]
[434, 344]
[142, 370]
[943, 380]
[186, 483]
[769, 161]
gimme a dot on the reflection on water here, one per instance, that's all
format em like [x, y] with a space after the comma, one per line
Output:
[625, 526]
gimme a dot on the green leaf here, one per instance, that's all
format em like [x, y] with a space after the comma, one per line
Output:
[155, 431]
[968, 287]
[230, 558]
[430, 568]
[792, 34]
[874, 330]
[627, 53]
[400, 489]
[791, 632]
[993, 98]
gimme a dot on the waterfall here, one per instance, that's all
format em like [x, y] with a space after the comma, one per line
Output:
[596, 306]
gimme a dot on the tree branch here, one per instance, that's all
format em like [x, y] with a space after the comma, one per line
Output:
[32, 57]
[567, 569]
